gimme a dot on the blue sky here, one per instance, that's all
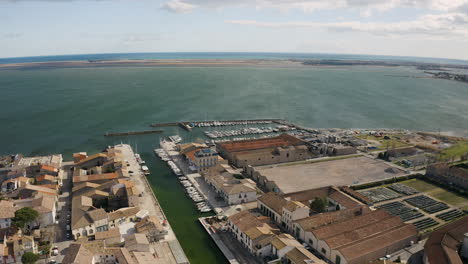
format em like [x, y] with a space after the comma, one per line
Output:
[428, 28]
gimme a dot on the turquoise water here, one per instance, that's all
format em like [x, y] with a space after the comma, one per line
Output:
[68, 110]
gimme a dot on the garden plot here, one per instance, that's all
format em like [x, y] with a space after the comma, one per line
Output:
[403, 189]
[429, 205]
[380, 194]
[399, 209]
[425, 223]
[450, 215]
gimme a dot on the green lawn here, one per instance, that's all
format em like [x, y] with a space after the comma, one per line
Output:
[455, 151]
[437, 192]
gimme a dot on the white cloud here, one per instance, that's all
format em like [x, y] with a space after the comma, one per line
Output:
[442, 24]
[178, 6]
[365, 6]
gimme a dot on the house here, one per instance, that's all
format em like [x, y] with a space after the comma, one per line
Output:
[111, 237]
[282, 244]
[300, 255]
[31, 191]
[200, 157]
[252, 232]
[123, 215]
[283, 212]
[15, 183]
[95, 178]
[137, 242]
[7, 213]
[443, 173]
[448, 244]
[78, 254]
[231, 189]
[86, 220]
[46, 179]
[15, 246]
[46, 206]
[151, 227]
[49, 170]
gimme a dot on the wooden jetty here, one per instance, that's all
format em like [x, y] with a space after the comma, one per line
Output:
[133, 133]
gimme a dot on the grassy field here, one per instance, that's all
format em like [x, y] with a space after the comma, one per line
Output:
[455, 151]
[393, 142]
[437, 192]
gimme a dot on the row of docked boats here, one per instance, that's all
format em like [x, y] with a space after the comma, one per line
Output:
[174, 168]
[162, 154]
[142, 163]
[202, 206]
[239, 132]
[228, 123]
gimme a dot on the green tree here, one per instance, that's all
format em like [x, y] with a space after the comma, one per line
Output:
[29, 258]
[24, 216]
[319, 204]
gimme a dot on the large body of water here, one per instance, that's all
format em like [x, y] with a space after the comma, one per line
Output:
[68, 110]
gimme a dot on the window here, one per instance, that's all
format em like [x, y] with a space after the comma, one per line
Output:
[324, 251]
[311, 242]
[338, 260]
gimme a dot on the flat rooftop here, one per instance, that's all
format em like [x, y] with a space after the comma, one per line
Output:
[303, 176]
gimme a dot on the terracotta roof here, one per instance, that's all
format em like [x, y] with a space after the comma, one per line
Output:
[251, 144]
[98, 155]
[7, 209]
[357, 195]
[123, 212]
[274, 201]
[41, 189]
[111, 233]
[364, 232]
[82, 185]
[444, 242]
[44, 204]
[385, 239]
[49, 168]
[97, 214]
[351, 224]
[316, 221]
[343, 199]
[46, 177]
[283, 240]
[244, 220]
[136, 238]
[300, 255]
[95, 177]
[77, 254]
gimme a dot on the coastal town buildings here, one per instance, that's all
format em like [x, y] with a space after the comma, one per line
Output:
[449, 244]
[450, 175]
[264, 151]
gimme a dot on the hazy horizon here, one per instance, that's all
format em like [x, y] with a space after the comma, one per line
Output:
[420, 28]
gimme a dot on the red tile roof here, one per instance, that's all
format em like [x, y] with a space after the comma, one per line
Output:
[251, 144]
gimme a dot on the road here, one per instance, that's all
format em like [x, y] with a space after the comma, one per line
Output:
[63, 211]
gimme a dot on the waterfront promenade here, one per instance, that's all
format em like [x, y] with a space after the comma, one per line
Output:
[169, 250]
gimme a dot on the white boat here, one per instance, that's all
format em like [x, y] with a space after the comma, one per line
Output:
[145, 170]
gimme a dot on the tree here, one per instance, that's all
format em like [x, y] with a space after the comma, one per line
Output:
[29, 258]
[24, 216]
[319, 204]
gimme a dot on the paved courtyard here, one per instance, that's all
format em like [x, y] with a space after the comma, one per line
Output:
[303, 176]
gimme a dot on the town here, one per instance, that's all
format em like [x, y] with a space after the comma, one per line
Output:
[269, 192]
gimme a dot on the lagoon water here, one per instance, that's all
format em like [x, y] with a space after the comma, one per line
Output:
[68, 110]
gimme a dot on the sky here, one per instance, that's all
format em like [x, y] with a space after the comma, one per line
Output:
[425, 28]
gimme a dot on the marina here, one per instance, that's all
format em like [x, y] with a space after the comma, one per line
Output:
[167, 152]
[133, 133]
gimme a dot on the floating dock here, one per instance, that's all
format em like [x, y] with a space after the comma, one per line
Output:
[133, 133]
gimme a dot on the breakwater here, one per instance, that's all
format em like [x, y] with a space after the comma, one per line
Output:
[133, 133]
